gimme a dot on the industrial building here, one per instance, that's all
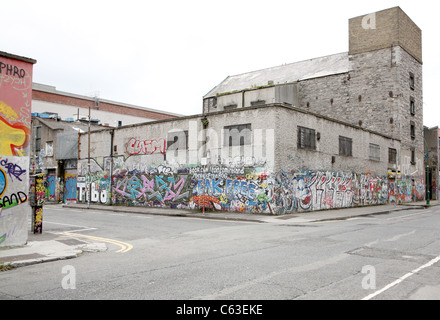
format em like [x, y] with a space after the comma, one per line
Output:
[332, 132]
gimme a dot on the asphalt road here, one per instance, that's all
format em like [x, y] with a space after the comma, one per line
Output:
[392, 256]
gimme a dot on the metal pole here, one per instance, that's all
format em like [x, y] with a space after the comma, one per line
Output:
[112, 134]
[89, 191]
[427, 170]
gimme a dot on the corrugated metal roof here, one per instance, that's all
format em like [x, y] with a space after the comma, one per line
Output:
[288, 73]
[68, 126]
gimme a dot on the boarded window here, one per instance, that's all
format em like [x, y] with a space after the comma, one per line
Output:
[374, 152]
[392, 156]
[306, 138]
[345, 146]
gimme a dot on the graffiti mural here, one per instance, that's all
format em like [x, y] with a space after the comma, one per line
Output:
[13, 200]
[15, 119]
[51, 183]
[70, 188]
[151, 189]
[135, 146]
[238, 188]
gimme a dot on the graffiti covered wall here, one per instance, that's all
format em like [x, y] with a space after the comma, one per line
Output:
[240, 188]
[15, 119]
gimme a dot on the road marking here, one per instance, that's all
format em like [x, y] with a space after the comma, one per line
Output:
[397, 237]
[125, 247]
[409, 274]
[83, 228]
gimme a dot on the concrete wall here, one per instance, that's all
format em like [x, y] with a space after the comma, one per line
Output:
[270, 175]
[15, 119]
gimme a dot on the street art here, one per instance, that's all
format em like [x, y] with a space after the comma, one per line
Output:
[15, 119]
[135, 146]
[12, 190]
[3, 182]
[13, 137]
[14, 170]
[51, 186]
[38, 220]
[71, 185]
[250, 189]
[151, 189]
[99, 183]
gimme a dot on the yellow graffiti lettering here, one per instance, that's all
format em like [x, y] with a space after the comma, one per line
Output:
[8, 112]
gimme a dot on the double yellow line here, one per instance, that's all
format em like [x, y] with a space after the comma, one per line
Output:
[125, 247]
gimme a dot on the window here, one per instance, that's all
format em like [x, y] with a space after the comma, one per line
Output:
[392, 156]
[412, 105]
[374, 152]
[306, 138]
[49, 148]
[413, 130]
[413, 156]
[411, 81]
[37, 139]
[345, 146]
[238, 135]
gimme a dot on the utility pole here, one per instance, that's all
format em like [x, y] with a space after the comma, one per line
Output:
[89, 190]
[428, 194]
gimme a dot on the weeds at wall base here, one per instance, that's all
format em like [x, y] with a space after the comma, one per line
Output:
[5, 267]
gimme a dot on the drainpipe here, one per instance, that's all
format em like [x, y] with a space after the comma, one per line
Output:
[112, 134]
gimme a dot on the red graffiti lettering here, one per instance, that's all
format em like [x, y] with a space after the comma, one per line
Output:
[135, 146]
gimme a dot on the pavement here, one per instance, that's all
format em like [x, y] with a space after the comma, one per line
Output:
[47, 246]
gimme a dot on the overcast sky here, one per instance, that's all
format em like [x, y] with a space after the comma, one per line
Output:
[168, 54]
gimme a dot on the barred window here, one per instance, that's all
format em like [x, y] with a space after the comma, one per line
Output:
[306, 138]
[392, 156]
[374, 152]
[345, 146]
